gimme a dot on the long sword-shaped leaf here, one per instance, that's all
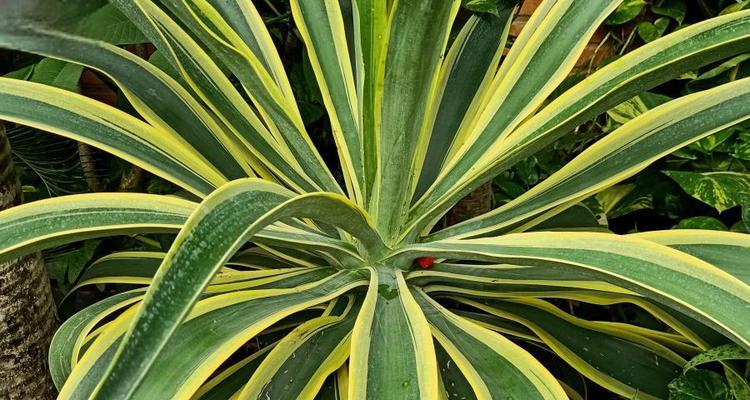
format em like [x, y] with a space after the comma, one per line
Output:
[65, 346]
[392, 356]
[417, 37]
[729, 251]
[279, 112]
[230, 381]
[676, 279]
[621, 154]
[77, 117]
[302, 360]
[502, 276]
[53, 222]
[646, 67]
[469, 67]
[215, 329]
[370, 25]
[613, 358]
[248, 25]
[210, 84]
[539, 60]
[162, 102]
[322, 27]
[215, 231]
[495, 367]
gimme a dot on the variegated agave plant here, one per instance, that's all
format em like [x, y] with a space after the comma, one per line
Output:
[272, 246]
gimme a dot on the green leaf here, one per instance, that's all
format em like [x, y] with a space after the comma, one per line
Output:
[699, 385]
[720, 190]
[494, 366]
[650, 31]
[626, 12]
[603, 353]
[636, 106]
[709, 223]
[739, 6]
[390, 331]
[53, 222]
[240, 209]
[57, 73]
[483, 6]
[107, 23]
[675, 9]
[720, 353]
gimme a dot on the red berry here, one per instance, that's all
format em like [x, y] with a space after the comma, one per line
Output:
[426, 262]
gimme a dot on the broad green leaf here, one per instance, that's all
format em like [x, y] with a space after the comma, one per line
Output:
[61, 74]
[626, 11]
[721, 353]
[495, 367]
[650, 31]
[675, 9]
[53, 222]
[709, 223]
[720, 190]
[699, 385]
[110, 25]
[391, 331]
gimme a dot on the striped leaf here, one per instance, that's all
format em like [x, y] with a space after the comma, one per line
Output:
[156, 96]
[391, 331]
[227, 219]
[539, 60]
[322, 27]
[621, 361]
[215, 329]
[53, 222]
[300, 363]
[494, 367]
[77, 117]
[469, 67]
[621, 154]
[726, 250]
[417, 36]
[658, 272]
[641, 69]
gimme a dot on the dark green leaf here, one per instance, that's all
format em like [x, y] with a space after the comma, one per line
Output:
[675, 9]
[650, 31]
[699, 385]
[625, 12]
[709, 223]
